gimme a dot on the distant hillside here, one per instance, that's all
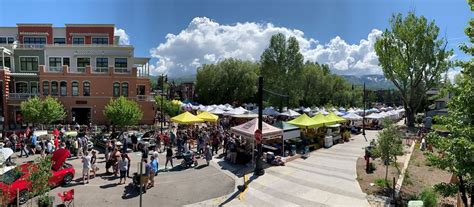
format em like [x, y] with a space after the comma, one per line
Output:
[371, 81]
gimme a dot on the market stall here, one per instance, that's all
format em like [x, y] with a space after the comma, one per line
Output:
[291, 137]
[271, 136]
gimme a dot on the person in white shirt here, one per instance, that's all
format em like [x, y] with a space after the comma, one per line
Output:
[86, 167]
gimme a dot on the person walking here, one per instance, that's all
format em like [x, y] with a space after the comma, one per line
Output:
[93, 163]
[86, 167]
[129, 162]
[24, 145]
[80, 151]
[146, 175]
[34, 142]
[134, 142]
[208, 154]
[123, 167]
[169, 157]
[154, 169]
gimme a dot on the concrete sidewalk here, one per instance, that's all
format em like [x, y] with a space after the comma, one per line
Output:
[326, 178]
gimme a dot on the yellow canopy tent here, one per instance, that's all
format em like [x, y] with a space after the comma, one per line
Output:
[323, 120]
[304, 121]
[335, 118]
[206, 116]
[186, 118]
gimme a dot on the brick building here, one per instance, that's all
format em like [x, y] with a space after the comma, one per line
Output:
[81, 64]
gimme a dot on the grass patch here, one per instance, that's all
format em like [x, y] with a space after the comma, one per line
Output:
[382, 183]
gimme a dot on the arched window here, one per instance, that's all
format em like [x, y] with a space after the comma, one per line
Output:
[54, 88]
[125, 89]
[45, 88]
[116, 91]
[86, 88]
[63, 88]
[75, 88]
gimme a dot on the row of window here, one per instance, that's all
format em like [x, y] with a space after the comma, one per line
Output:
[7, 40]
[61, 89]
[56, 40]
[30, 64]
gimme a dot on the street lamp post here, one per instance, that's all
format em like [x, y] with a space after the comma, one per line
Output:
[161, 101]
[258, 164]
[363, 117]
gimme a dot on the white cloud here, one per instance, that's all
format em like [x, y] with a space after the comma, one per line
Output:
[124, 39]
[206, 41]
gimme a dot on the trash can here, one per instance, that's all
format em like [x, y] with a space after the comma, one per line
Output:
[293, 149]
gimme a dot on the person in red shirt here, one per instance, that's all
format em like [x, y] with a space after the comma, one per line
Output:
[166, 140]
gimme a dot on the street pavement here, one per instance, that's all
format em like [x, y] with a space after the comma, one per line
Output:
[175, 187]
[326, 178]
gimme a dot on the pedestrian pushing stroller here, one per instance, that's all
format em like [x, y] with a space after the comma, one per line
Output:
[189, 160]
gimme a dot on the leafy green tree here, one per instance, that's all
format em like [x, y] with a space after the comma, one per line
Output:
[32, 110]
[281, 68]
[44, 111]
[413, 58]
[169, 108]
[123, 112]
[40, 172]
[227, 81]
[53, 110]
[455, 153]
[388, 145]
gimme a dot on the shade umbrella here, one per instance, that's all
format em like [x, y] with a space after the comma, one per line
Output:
[206, 116]
[304, 121]
[246, 115]
[322, 120]
[236, 111]
[290, 113]
[335, 118]
[216, 111]
[186, 118]
[353, 117]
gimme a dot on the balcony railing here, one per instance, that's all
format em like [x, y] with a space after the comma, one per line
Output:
[55, 69]
[30, 46]
[121, 70]
[101, 70]
[22, 96]
[145, 98]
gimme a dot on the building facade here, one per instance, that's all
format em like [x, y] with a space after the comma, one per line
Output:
[81, 64]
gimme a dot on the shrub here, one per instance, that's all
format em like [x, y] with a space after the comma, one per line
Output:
[382, 183]
[429, 197]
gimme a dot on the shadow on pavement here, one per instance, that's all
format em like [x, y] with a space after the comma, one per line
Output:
[110, 185]
[201, 166]
[130, 191]
[240, 190]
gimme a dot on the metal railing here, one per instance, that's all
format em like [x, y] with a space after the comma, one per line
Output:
[145, 98]
[22, 96]
[30, 46]
[101, 70]
[55, 69]
[122, 70]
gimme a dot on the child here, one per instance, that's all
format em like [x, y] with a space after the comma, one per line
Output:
[93, 162]
[123, 166]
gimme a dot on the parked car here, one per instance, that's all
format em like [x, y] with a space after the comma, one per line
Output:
[147, 137]
[100, 140]
[14, 178]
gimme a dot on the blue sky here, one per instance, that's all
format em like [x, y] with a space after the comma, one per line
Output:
[147, 23]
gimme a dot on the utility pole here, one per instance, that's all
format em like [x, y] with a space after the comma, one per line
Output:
[259, 165]
[363, 116]
[161, 101]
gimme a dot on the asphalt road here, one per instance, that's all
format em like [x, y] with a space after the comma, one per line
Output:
[175, 187]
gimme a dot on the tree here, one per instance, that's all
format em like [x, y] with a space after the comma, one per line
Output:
[123, 112]
[455, 153]
[32, 110]
[227, 81]
[413, 58]
[281, 68]
[388, 145]
[169, 107]
[45, 111]
[40, 172]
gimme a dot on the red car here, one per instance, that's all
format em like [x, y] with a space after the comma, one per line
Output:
[13, 179]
